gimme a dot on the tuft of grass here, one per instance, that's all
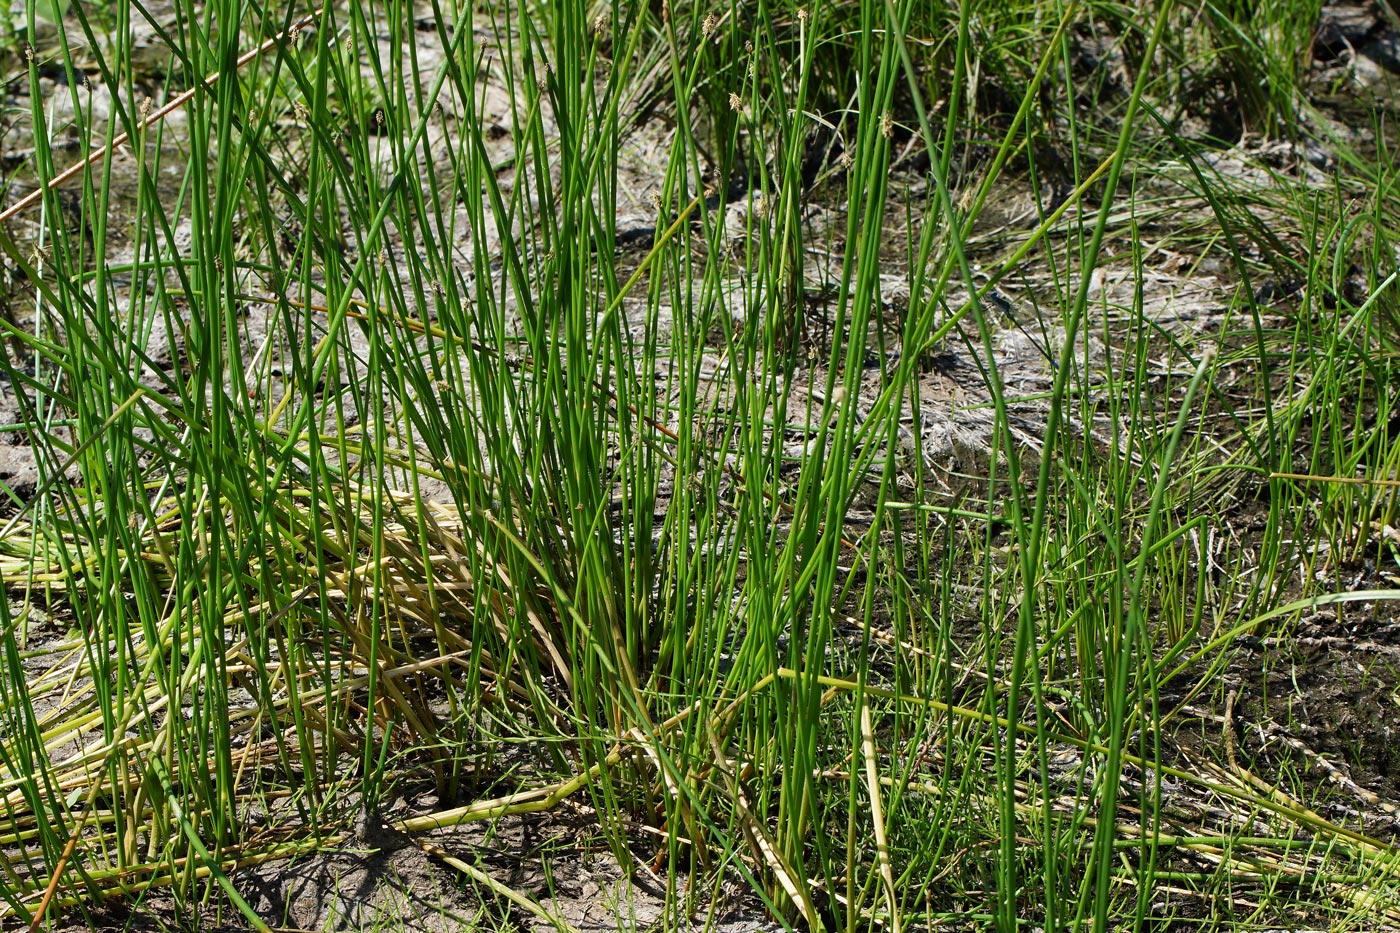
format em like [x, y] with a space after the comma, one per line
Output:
[376, 448]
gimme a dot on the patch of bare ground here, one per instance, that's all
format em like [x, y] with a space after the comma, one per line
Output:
[1316, 708]
[465, 878]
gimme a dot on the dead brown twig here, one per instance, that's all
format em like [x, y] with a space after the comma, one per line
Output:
[151, 119]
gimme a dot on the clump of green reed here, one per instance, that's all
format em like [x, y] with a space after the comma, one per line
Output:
[363, 295]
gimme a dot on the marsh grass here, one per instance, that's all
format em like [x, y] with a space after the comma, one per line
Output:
[368, 458]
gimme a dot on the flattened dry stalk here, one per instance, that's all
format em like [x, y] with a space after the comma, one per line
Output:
[761, 843]
[153, 118]
[540, 798]
[528, 904]
[156, 874]
[315, 676]
[1217, 827]
[877, 813]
